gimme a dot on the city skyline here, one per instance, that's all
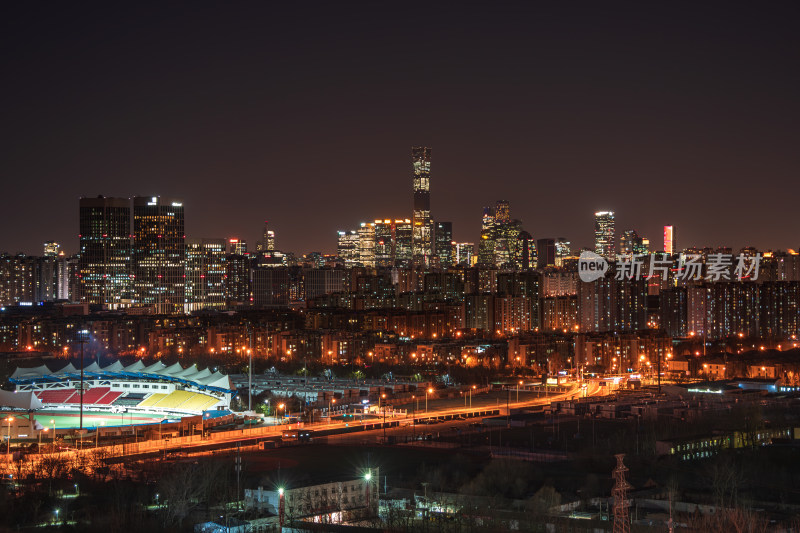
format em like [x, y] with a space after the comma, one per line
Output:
[548, 106]
[453, 266]
[252, 239]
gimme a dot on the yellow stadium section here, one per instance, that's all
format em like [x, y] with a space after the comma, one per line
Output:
[173, 400]
[151, 400]
[180, 399]
[199, 402]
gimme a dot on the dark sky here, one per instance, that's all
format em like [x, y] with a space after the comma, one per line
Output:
[304, 114]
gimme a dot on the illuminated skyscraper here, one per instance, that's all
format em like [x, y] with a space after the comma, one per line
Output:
[669, 240]
[502, 212]
[463, 253]
[630, 243]
[487, 242]
[267, 242]
[366, 244]
[237, 280]
[237, 246]
[604, 234]
[403, 242]
[205, 274]
[563, 251]
[347, 247]
[104, 268]
[443, 240]
[159, 253]
[51, 249]
[384, 243]
[422, 248]
[500, 243]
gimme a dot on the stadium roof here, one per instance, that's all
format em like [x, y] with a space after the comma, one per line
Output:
[203, 379]
[19, 400]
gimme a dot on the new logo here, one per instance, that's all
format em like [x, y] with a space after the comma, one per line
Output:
[591, 266]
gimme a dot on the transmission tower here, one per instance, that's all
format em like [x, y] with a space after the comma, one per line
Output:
[620, 492]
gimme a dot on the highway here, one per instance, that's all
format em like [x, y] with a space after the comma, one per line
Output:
[494, 403]
[370, 429]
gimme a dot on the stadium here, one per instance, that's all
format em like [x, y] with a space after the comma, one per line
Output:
[114, 395]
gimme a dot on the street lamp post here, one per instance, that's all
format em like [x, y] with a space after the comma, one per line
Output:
[413, 419]
[9, 420]
[330, 404]
[429, 391]
[250, 379]
[384, 416]
[518, 385]
[82, 340]
[53, 421]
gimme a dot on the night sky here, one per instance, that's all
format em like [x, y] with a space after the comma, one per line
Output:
[305, 115]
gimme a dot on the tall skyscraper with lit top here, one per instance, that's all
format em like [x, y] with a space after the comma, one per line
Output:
[604, 234]
[422, 248]
[159, 253]
[669, 240]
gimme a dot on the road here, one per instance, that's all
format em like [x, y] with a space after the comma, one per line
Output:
[371, 429]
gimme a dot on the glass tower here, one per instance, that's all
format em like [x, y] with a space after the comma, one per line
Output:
[604, 234]
[421, 241]
[159, 253]
[104, 267]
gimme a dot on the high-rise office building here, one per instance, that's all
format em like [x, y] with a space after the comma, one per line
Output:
[366, 244]
[392, 242]
[502, 212]
[422, 248]
[104, 268]
[51, 248]
[267, 242]
[631, 243]
[237, 280]
[237, 246]
[563, 251]
[403, 245]
[464, 252]
[347, 247]
[500, 243]
[546, 253]
[17, 279]
[384, 243]
[443, 241]
[526, 251]
[487, 243]
[159, 253]
[205, 274]
[270, 287]
[669, 240]
[604, 234]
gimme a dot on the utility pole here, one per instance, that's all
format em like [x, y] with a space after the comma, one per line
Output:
[238, 473]
[659, 373]
[508, 407]
[250, 368]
